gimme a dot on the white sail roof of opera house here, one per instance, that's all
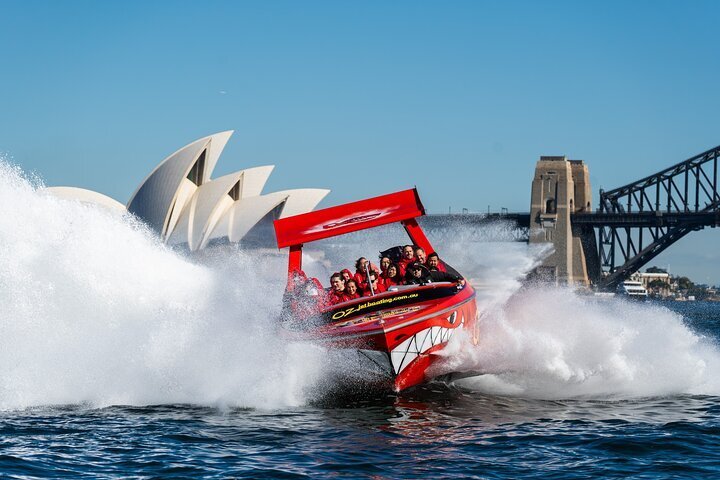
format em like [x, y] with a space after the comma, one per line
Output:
[180, 201]
[160, 198]
[211, 200]
[86, 196]
[243, 215]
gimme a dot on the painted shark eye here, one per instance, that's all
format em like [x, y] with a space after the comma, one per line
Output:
[452, 318]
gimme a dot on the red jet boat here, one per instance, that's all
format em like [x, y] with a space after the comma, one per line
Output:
[403, 330]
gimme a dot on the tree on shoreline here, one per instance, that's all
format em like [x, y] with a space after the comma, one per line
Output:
[658, 284]
[684, 283]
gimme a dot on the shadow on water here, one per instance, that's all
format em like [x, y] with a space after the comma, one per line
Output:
[455, 404]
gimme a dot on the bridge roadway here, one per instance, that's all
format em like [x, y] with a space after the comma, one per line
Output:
[616, 220]
[647, 219]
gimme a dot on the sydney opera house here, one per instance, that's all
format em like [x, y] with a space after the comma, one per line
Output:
[185, 206]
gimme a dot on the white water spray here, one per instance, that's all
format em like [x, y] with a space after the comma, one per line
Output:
[93, 308]
[553, 344]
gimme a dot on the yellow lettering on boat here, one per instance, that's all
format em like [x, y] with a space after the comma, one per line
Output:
[345, 312]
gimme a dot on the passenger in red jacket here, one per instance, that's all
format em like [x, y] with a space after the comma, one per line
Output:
[360, 274]
[434, 263]
[391, 276]
[346, 274]
[351, 290]
[408, 257]
[384, 264]
[337, 290]
[419, 274]
[377, 286]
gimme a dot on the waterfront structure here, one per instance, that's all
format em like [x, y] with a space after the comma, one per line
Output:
[658, 283]
[184, 206]
[560, 188]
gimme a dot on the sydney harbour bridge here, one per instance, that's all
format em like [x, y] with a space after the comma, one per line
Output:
[629, 227]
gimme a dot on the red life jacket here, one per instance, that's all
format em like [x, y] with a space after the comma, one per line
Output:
[345, 270]
[361, 281]
[379, 289]
[388, 282]
[403, 263]
[334, 297]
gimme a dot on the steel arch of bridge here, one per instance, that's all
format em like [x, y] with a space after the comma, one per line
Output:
[638, 221]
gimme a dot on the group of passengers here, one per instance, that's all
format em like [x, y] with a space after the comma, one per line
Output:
[414, 267]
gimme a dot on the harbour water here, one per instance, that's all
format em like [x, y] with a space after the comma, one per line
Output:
[121, 358]
[436, 431]
[440, 431]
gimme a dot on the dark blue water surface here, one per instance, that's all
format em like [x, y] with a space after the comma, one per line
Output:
[436, 431]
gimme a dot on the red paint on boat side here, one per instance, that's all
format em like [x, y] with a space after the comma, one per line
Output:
[415, 373]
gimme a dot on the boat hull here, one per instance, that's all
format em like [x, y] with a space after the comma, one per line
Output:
[404, 332]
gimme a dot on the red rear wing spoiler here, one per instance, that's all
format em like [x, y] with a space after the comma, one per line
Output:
[350, 217]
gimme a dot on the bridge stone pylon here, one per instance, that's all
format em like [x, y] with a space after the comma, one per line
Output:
[560, 188]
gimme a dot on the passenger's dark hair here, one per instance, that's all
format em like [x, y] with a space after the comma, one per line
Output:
[338, 275]
[397, 271]
[393, 253]
[433, 254]
[357, 263]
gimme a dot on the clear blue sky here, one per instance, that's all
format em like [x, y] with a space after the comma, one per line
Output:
[458, 98]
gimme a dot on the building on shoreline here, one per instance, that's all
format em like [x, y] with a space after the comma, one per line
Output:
[661, 284]
[658, 284]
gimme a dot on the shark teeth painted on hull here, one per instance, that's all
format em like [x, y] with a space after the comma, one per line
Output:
[403, 355]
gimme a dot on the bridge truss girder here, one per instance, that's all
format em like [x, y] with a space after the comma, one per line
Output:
[640, 220]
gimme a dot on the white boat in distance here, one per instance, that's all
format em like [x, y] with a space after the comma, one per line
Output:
[633, 289]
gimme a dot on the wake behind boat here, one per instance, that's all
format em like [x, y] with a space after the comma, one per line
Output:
[402, 330]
